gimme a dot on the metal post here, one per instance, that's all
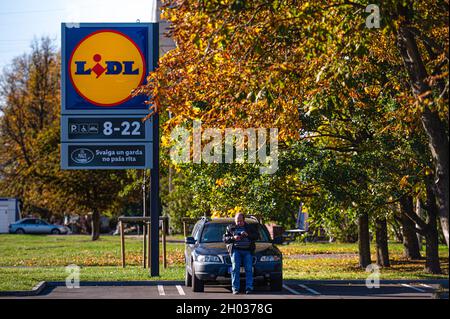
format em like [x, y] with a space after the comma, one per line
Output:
[154, 173]
[122, 243]
[164, 242]
[149, 246]
[144, 228]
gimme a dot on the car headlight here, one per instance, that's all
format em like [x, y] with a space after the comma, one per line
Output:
[269, 258]
[208, 259]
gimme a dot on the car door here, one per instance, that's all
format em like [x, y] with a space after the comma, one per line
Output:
[29, 226]
[189, 248]
[42, 227]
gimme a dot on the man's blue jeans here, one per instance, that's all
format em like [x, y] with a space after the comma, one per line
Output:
[238, 258]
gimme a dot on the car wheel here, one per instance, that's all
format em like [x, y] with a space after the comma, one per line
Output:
[187, 278]
[20, 231]
[197, 284]
[55, 231]
[276, 282]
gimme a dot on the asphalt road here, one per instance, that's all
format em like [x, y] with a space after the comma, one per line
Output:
[292, 289]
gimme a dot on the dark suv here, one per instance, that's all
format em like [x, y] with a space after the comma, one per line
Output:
[208, 261]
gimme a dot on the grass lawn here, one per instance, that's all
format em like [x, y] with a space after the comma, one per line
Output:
[27, 259]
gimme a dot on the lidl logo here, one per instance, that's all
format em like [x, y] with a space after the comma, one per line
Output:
[105, 67]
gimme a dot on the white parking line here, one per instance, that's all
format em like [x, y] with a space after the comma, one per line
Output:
[314, 292]
[426, 286]
[161, 290]
[180, 290]
[414, 288]
[295, 292]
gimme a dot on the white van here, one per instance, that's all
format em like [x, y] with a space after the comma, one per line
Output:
[9, 213]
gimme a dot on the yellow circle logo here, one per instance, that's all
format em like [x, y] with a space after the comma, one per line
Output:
[105, 67]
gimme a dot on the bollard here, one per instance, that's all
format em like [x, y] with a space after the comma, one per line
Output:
[164, 243]
[122, 243]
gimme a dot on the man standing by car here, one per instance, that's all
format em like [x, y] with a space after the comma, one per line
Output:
[240, 239]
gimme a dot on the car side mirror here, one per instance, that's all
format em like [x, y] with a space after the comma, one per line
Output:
[189, 241]
[277, 240]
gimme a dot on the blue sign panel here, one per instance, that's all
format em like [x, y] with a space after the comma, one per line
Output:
[102, 64]
[112, 128]
[106, 155]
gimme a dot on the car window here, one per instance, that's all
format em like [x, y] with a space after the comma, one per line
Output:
[263, 233]
[213, 232]
[42, 222]
[195, 231]
[29, 222]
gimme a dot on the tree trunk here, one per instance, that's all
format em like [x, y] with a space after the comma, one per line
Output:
[410, 242]
[397, 228]
[422, 216]
[95, 225]
[382, 243]
[440, 150]
[432, 263]
[364, 240]
[434, 127]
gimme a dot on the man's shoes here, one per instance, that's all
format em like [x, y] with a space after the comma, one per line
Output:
[248, 291]
[235, 292]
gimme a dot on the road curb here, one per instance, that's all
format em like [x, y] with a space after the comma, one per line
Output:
[36, 290]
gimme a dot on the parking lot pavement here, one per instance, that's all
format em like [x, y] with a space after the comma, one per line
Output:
[292, 289]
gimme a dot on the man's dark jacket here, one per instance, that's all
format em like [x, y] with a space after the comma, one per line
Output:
[228, 237]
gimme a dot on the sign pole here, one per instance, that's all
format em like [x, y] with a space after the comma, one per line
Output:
[154, 174]
[144, 214]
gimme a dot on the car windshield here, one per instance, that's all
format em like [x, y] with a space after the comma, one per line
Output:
[213, 232]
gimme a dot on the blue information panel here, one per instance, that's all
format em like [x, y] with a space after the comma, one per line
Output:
[113, 128]
[106, 155]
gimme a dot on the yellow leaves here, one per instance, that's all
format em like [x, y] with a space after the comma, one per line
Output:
[218, 58]
[229, 213]
[220, 182]
[257, 30]
[233, 211]
[372, 90]
[165, 141]
[428, 171]
[216, 214]
[191, 68]
[404, 182]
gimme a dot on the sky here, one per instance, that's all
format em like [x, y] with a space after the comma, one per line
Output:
[21, 21]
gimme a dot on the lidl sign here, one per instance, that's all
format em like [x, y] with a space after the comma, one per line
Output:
[101, 120]
[102, 64]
